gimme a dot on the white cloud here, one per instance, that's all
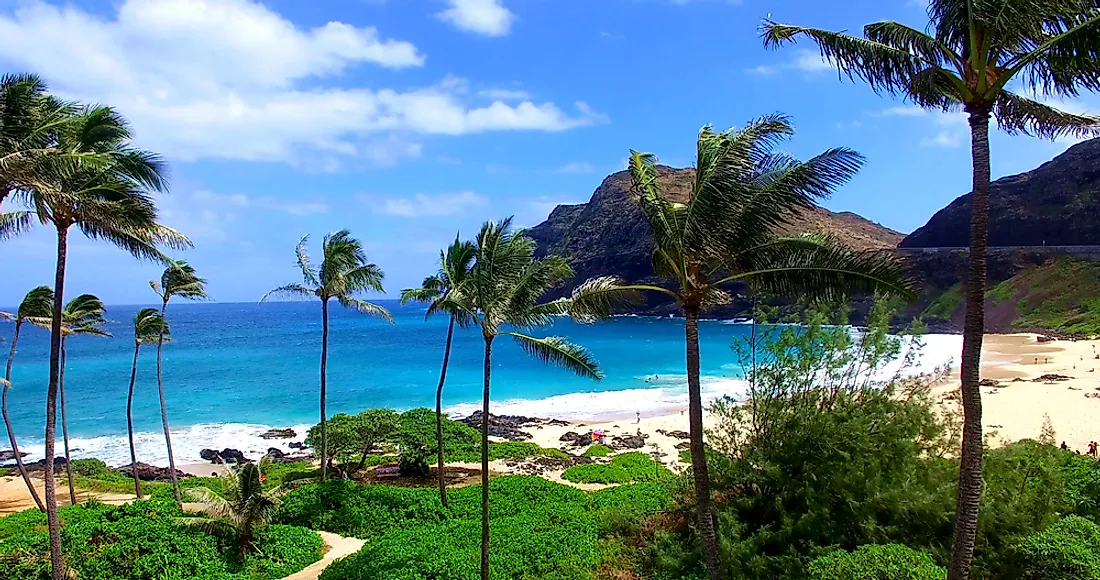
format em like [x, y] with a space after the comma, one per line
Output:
[426, 205]
[806, 61]
[486, 17]
[576, 167]
[942, 139]
[504, 94]
[232, 79]
[904, 111]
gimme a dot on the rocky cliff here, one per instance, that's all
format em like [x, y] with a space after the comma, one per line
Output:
[610, 236]
[1057, 204]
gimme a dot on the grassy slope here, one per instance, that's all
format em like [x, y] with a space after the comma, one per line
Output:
[1061, 295]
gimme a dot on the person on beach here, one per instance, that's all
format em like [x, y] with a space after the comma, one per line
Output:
[1064, 446]
[639, 415]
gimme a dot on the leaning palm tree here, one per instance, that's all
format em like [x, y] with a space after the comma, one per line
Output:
[149, 328]
[443, 294]
[178, 279]
[36, 305]
[242, 506]
[726, 233]
[343, 273]
[109, 202]
[972, 51]
[82, 315]
[503, 290]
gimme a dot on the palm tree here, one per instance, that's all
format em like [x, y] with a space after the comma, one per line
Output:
[725, 233]
[971, 52]
[503, 290]
[241, 507]
[178, 279]
[82, 315]
[344, 272]
[149, 328]
[109, 202]
[443, 293]
[28, 118]
[36, 305]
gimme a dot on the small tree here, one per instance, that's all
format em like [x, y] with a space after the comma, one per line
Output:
[243, 505]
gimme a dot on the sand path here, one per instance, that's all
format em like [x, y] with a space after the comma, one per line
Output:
[338, 547]
[14, 496]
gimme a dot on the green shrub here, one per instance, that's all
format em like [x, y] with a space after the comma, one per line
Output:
[624, 468]
[643, 498]
[598, 450]
[877, 562]
[282, 551]
[1067, 550]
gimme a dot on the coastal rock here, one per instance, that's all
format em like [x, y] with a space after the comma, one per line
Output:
[296, 445]
[227, 455]
[40, 465]
[1043, 338]
[275, 453]
[627, 442]
[503, 426]
[146, 472]
[279, 434]
[675, 434]
[682, 445]
[569, 436]
[9, 455]
[1050, 377]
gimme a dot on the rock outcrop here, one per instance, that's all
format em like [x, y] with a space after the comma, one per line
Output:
[146, 472]
[227, 455]
[287, 433]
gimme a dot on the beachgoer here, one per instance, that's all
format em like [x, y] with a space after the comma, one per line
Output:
[639, 433]
[681, 412]
[639, 415]
[1064, 446]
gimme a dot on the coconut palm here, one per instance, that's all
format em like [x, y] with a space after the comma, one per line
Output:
[149, 328]
[107, 202]
[36, 305]
[28, 118]
[972, 51]
[82, 315]
[343, 273]
[503, 290]
[725, 233]
[242, 506]
[178, 279]
[443, 294]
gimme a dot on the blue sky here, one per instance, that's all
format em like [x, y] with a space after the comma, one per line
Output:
[408, 120]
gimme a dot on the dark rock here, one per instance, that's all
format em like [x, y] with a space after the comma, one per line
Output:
[682, 445]
[627, 442]
[1043, 338]
[279, 434]
[503, 426]
[675, 434]
[295, 458]
[988, 383]
[146, 472]
[227, 455]
[557, 423]
[1049, 377]
[40, 465]
[275, 453]
[9, 455]
[569, 436]
[296, 445]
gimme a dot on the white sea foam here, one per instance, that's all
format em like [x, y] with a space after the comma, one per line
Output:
[660, 394]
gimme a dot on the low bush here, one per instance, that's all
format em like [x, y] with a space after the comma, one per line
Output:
[624, 468]
[877, 562]
[1067, 550]
[598, 450]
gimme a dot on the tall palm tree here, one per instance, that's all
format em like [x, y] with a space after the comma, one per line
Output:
[343, 273]
[971, 52]
[724, 233]
[443, 294]
[108, 202]
[242, 505]
[149, 328]
[178, 279]
[36, 305]
[503, 290]
[28, 119]
[82, 315]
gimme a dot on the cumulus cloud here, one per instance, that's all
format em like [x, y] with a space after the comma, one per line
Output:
[232, 79]
[425, 205]
[485, 17]
[806, 61]
[504, 94]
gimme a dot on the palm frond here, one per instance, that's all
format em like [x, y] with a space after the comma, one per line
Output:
[179, 279]
[150, 326]
[38, 303]
[301, 252]
[598, 298]
[1065, 56]
[559, 351]
[913, 41]
[290, 291]
[364, 307]
[1017, 114]
[210, 503]
[14, 223]
[364, 278]
[432, 289]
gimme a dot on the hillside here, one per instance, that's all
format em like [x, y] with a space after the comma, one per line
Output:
[1057, 204]
[609, 234]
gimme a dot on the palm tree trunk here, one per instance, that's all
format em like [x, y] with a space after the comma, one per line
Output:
[439, 411]
[485, 462]
[164, 410]
[698, 455]
[324, 373]
[130, 422]
[65, 426]
[52, 522]
[7, 421]
[970, 464]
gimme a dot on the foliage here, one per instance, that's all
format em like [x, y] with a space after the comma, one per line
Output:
[241, 506]
[1068, 550]
[352, 438]
[598, 450]
[944, 305]
[1059, 295]
[144, 540]
[634, 466]
[877, 562]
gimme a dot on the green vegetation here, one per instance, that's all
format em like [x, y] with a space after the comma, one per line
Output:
[145, 540]
[352, 438]
[1068, 550]
[946, 304]
[877, 562]
[598, 450]
[634, 466]
[1063, 294]
[239, 507]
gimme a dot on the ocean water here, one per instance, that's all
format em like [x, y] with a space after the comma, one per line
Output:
[234, 370]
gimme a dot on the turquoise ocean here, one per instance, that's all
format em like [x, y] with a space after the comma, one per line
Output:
[234, 370]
